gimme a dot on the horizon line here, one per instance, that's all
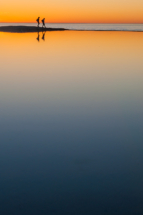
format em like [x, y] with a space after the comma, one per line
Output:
[80, 22]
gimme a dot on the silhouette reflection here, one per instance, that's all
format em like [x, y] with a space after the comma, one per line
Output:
[38, 38]
[43, 36]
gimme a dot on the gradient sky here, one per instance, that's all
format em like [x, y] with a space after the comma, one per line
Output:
[84, 11]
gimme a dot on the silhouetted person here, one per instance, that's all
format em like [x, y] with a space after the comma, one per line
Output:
[38, 38]
[43, 21]
[38, 20]
[43, 37]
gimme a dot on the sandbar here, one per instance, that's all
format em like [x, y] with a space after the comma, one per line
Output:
[26, 29]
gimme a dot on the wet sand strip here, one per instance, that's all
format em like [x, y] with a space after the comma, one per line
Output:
[27, 29]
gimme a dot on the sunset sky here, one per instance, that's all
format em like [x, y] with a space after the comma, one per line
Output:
[72, 11]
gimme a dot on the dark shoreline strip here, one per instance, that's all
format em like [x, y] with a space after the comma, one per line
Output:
[27, 29]
[33, 29]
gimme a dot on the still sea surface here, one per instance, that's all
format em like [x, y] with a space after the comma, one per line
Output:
[71, 122]
[87, 27]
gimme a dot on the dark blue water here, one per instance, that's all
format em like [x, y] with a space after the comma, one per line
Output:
[75, 149]
[74, 166]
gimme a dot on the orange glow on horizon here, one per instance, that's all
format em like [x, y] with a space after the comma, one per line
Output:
[104, 12]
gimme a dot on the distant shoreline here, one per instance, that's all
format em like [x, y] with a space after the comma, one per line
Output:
[34, 29]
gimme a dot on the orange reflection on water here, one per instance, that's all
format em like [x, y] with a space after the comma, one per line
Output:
[71, 66]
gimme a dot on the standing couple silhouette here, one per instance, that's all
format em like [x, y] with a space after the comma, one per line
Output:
[43, 22]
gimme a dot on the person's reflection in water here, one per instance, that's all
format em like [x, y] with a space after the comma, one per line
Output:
[38, 38]
[43, 36]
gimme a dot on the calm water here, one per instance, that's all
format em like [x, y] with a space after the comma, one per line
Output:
[71, 119]
[103, 27]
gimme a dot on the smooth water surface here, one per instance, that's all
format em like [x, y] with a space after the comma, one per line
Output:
[87, 27]
[71, 120]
